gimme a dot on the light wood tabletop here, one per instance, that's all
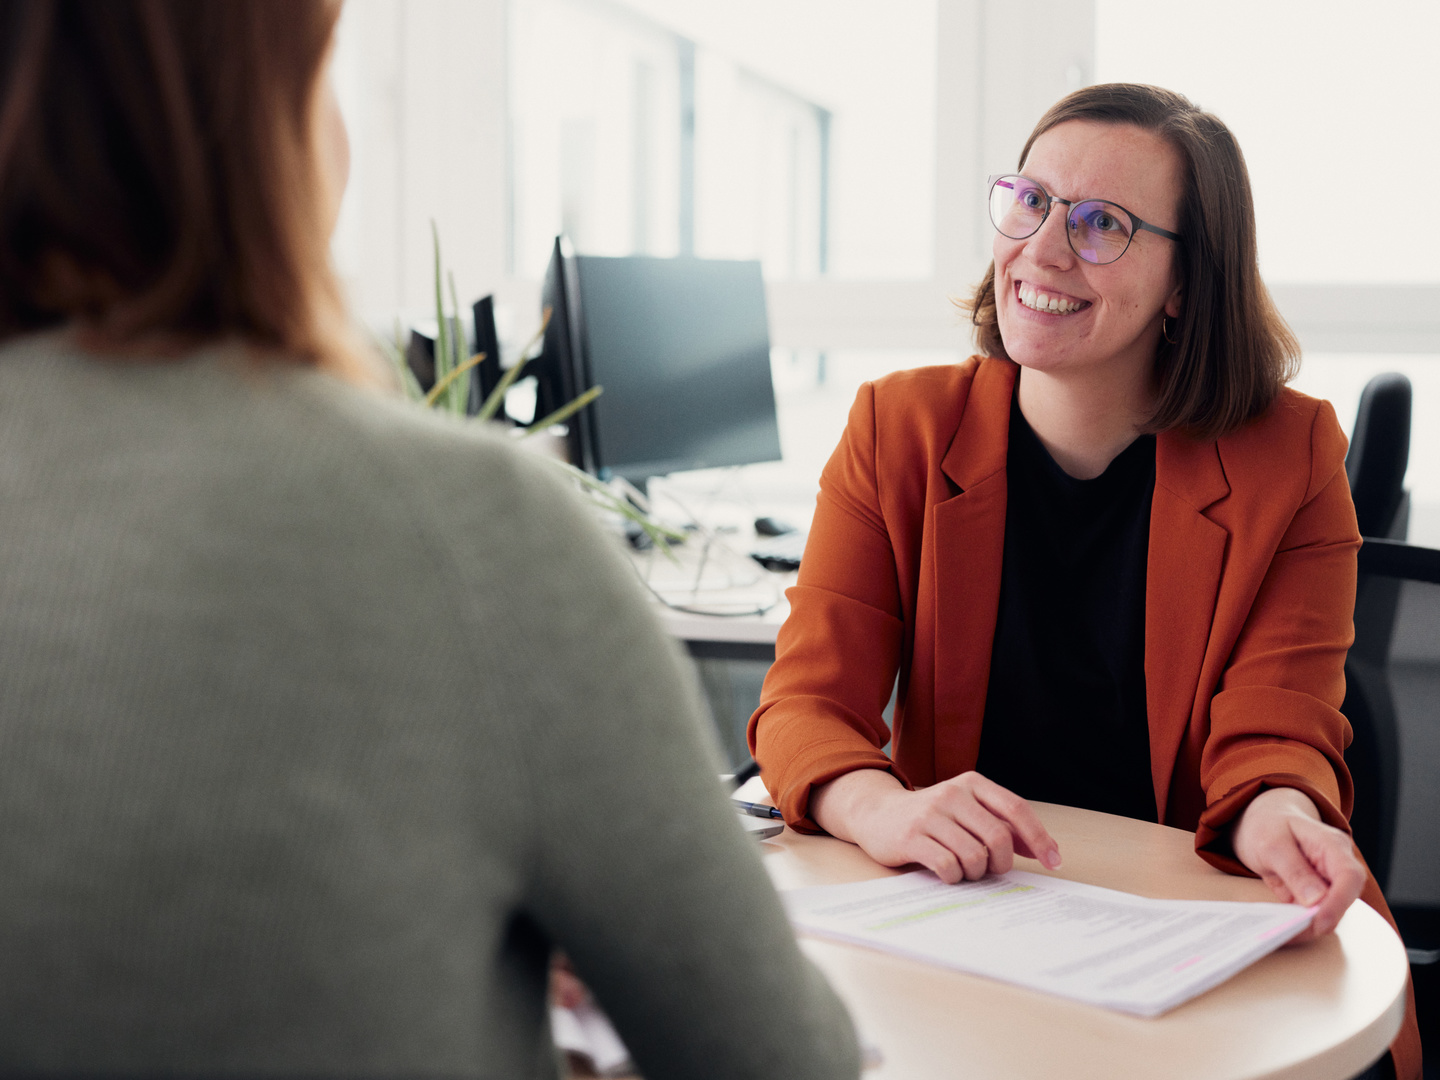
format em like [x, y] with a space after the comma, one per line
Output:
[1320, 1011]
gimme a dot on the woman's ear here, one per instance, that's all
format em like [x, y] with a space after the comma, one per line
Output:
[1172, 304]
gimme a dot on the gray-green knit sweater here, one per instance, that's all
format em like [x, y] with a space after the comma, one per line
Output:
[321, 721]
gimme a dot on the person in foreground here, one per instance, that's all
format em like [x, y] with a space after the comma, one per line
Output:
[322, 721]
[1112, 559]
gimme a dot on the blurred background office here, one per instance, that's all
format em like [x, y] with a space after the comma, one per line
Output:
[845, 144]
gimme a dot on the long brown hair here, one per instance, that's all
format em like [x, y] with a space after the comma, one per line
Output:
[157, 174]
[1230, 351]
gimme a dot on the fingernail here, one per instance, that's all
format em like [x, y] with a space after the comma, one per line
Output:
[1311, 896]
[1051, 859]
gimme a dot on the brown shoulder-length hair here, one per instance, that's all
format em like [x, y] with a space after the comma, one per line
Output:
[1230, 352]
[158, 179]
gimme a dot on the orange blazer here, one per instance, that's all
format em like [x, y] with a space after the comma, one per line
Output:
[1250, 591]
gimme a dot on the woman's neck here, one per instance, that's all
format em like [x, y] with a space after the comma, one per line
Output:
[1084, 422]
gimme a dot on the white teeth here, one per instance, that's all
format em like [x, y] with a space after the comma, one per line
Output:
[1045, 302]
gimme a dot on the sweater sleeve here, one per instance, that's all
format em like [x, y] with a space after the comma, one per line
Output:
[639, 870]
[837, 655]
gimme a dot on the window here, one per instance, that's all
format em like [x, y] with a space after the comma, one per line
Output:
[799, 134]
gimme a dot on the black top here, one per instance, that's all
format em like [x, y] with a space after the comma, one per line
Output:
[1065, 717]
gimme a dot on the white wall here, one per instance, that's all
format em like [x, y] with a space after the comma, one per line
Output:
[422, 86]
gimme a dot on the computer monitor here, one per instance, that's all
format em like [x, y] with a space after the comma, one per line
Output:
[487, 372]
[557, 369]
[682, 349]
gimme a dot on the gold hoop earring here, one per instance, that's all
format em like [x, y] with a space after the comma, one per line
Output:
[1165, 331]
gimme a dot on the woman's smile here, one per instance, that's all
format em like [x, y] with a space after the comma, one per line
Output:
[1048, 300]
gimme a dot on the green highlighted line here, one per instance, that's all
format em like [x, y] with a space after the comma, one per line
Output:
[930, 913]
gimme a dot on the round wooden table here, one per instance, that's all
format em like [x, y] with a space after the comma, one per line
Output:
[1321, 1011]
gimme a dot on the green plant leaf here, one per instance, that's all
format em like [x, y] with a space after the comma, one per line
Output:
[560, 415]
[492, 403]
[600, 493]
[442, 330]
[440, 387]
[459, 392]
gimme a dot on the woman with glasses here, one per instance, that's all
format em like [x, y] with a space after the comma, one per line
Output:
[1111, 560]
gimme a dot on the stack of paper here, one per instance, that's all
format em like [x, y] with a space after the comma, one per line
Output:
[1094, 945]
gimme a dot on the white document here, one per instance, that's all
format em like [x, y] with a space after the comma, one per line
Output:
[586, 1031]
[1090, 944]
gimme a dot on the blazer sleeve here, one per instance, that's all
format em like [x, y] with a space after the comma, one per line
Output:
[1275, 719]
[837, 655]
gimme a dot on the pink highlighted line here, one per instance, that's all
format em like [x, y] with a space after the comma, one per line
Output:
[1306, 914]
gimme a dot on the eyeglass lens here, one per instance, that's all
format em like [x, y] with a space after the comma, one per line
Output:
[1099, 231]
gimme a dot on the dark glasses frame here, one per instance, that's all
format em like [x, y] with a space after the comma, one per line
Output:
[1050, 200]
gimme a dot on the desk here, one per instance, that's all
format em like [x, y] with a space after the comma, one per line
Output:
[1322, 1011]
[725, 637]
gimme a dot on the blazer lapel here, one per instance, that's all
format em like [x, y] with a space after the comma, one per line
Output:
[969, 531]
[1187, 556]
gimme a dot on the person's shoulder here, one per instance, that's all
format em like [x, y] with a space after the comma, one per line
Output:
[416, 444]
[933, 397]
[929, 386]
[454, 473]
[1298, 438]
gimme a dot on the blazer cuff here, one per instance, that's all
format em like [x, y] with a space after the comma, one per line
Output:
[1212, 835]
[794, 800]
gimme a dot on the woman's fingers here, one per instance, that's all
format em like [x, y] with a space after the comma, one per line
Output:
[1284, 859]
[939, 860]
[977, 852]
[960, 828]
[1330, 851]
[1031, 838]
[1303, 860]
[984, 825]
[566, 989]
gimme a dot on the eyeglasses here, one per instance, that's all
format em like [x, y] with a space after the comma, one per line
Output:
[1098, 231]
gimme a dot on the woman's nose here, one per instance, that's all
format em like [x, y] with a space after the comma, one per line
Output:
[1050, 245]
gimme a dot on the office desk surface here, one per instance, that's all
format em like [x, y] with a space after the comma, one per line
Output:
[750, 629]
[1309, 1012]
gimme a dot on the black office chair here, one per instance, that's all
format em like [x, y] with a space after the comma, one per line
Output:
[1379, 454]
[1394, 685]
[1375, 465]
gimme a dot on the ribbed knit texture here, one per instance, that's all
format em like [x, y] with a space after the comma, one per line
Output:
[320, 720]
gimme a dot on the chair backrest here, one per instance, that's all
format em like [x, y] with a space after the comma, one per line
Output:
[1378, 456]
[1392, 696]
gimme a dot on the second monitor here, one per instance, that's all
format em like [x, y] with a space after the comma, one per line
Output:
[682, 349]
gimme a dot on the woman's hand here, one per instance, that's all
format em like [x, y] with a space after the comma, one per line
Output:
[566, 989]
[1280, 836]
[960, 828]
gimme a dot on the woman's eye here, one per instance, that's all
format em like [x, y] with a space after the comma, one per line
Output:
[1032, 199]
[1105, 221]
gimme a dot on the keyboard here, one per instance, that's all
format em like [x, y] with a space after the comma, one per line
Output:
[780, 553]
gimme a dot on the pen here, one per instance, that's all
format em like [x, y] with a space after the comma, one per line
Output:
[755, 809]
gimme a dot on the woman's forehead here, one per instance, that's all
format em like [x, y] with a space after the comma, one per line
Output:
[1120, 162]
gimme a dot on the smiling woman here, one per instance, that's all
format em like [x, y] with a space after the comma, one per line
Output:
[1111, 560]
